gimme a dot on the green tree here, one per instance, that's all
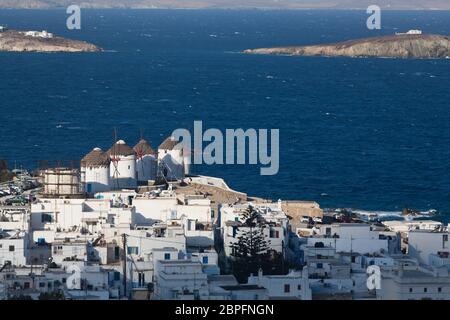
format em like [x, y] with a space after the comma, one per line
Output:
[54, 295]
[249, 252]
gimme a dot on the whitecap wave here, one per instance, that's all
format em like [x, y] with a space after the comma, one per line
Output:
[383, 215]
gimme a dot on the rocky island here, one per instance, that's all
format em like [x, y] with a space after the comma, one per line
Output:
[405, 45]
[40, 41]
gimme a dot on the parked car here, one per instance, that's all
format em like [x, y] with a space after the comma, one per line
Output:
[317, 220]
[305, 219]
[19, 200]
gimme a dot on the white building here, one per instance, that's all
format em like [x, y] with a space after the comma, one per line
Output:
[123, 166]
[156, 206]
[14, 248]
[92, 285]
[39, 34]
[409, 32]
[69, 251]
[424, 243]
[415, 283]
[146, 162]
[406, 226]
[351, 237]
[294, 285]
[193, 213]
[95, 172]
[142, 243]
[15, 218]
[180, 280]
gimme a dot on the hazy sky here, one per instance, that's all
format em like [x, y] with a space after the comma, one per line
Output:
[285, 4]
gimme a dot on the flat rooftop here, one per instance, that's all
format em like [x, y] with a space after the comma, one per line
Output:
[243, 287]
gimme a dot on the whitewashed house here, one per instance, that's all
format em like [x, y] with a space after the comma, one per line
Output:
[14, 248]
[351, 237]
[415, 283]
[180, 280]
[424, 243]
[294, 285]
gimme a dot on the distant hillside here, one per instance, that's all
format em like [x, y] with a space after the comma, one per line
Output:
[396, 46]
[20, 41]
[263, 4]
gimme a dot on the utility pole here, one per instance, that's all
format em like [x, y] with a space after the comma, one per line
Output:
[124, 261]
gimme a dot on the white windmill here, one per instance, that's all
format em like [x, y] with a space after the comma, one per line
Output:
[146, 162]
[123, 166]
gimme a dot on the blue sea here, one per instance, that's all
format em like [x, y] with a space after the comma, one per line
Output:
[372, 134]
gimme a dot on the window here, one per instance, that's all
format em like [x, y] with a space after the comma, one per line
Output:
[141, 280]
[319, 265]
[410, 290]
[299, 287]
[11, 248]
[274, 233]
[41, 284]
[63, 280]
[205, 260]
[116, 276]
[166, 256]
[425, 290]
[287, 288]
[45, 217]
[439, 289]
[133, 250]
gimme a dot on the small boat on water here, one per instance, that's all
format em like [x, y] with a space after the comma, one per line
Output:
[413, 213]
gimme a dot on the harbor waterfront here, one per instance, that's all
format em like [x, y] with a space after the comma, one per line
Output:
[205, 169]
[134, 223]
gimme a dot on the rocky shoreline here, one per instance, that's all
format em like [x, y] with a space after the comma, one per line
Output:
[396, 46]
[21, 41]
